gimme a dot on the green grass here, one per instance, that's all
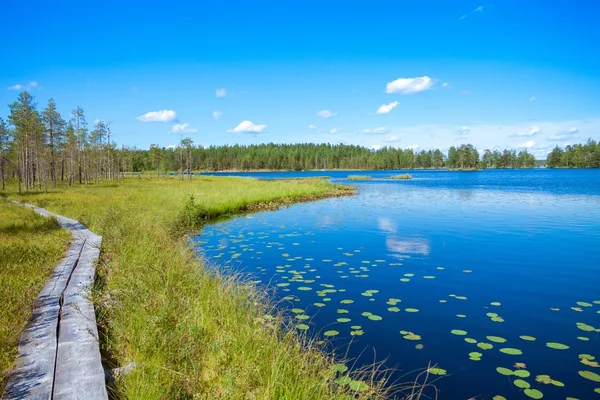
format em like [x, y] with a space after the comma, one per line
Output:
[30, 248]
[359, 178]
[192, 332]
[401, 177]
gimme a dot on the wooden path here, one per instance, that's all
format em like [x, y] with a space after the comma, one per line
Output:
[59, 354]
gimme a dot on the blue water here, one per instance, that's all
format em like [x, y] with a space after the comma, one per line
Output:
[527, 239]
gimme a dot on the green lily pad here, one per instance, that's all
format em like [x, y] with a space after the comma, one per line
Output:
[557, 346]
[343, 380]
[521, 384]
[528, 338]
[504, 371]
[583, 304]
[461, 315]
[404, 280]
[297, 310]
[411, 310]
[583, 338]
[356, 327]
[437, 371]
[419, 346]
[374, 317]
[587, 357]
[592, 376]
[366, 313]
[319, 305]
[585, 327]
[475, 354]
[495, 303]
[460, 297]
[284, 284]
[534, 394]
[497, 319]
[343, 320]
[412, 336]
[393, 309]
[304, 288]
[470, 340]
[331, 333]
[341, 368]
[302, 327]
[511, 351]
[302, 317]
[428, 277]
[347, 301]
[458, 332]
[342, 311]
[357, 332]
[498, 397]
[522, 373]
[496, 339]
[485, 346]
[358, 386]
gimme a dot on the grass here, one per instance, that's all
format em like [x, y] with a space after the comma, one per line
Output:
[401, 177]
[30, 248]
[192, 332]
[359, 178]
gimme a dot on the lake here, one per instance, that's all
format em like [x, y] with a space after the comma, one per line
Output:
[493, 276]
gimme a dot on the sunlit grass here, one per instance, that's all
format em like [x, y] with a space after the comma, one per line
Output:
[30, 248]
[193, 332]
[359, 178]
[401, 177]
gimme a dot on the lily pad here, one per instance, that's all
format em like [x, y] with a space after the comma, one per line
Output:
[358, 332]
[592, 376]
[348, 301]
[496, 339]
[534, 394]
[475, 354]
[585, 327]
[485, 346]
[358, 386]
[374, 317]
[583, 304]
[412, 336]
[521, 384]
[331, 333]
[419, 346]
[504, 371]
[343, 380]
[470, 340]
[341, 368]
[302, 327]
[458, 332]
[304, 288]
[393, 309]
[495, 303]
[343, 320]
[522, 373]
[437, 371]
[411, 310]
[461, 315]
[528, 338]
[319, 305]
[557, 346]
[511, 351]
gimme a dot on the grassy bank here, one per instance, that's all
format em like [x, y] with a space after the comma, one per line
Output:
[30, 248]
[359, 178]
[401, 177]
[192, 333]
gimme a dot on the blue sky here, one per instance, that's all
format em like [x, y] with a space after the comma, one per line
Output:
[517, 74]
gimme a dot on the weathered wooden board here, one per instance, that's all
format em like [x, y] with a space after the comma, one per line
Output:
[59, 355]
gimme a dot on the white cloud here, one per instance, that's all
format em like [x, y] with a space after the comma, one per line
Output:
[159, 116]
[408, 246]
[386, 108]
[376, 147]
[463, 130]
[530, 133]
[528, 144]
[465, 92]
[377, 131]
[412, 147]
[221, 92]
[572, 131]
[409, 85]
[27, 86]
[172, 146]
[532, 99]
[478, 9]
[183, 128]
[248, 127]
[326, 114]
[311, 126]
[217, 114]
[392, 139]
[334, 131]
[445, 85]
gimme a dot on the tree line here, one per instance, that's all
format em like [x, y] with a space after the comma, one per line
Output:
[41, 147]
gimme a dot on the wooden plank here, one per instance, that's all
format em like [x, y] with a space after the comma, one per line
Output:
[59, 355]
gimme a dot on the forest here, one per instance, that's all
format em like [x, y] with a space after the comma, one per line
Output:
[41, 147]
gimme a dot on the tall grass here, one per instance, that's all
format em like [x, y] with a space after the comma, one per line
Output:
[30, 248]
[359, 178]
[192, 332]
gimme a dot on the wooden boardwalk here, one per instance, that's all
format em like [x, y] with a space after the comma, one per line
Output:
[59, 354]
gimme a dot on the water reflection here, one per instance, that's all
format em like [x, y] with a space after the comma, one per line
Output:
[408, 246]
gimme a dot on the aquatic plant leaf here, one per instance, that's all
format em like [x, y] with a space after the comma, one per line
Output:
[461, 315]
[587, 357]
[319, 305]
[583, 338]
[504, 371]
[497, 319]
[356, 327]
[357, 332]
[583, 304]
[521, 384]
[458, 332]
[498, 397]
[429, 277]
[302, 317]
[302, 327]
[592, 376]
[411, 310]
[585, 327]
[528, 338]
[495, 303]
[419, 346]
[412, 336]
[534, 394]
[511, 351]
[437, 371]
[358, 386]
[347, 301]
[475, 354]
[304, 288]
[374, 317]
[557, 346]
[522, 373]
[393, 309]
[343, 320]
[460, 297]
[331, 333]
[344, 380]
[496, 339]
[470, 340]
[404, 280]
[297, 310]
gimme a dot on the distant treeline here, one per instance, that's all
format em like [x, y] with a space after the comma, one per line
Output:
[40, 147]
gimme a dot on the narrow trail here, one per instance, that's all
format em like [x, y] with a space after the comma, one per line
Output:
[59, 354]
